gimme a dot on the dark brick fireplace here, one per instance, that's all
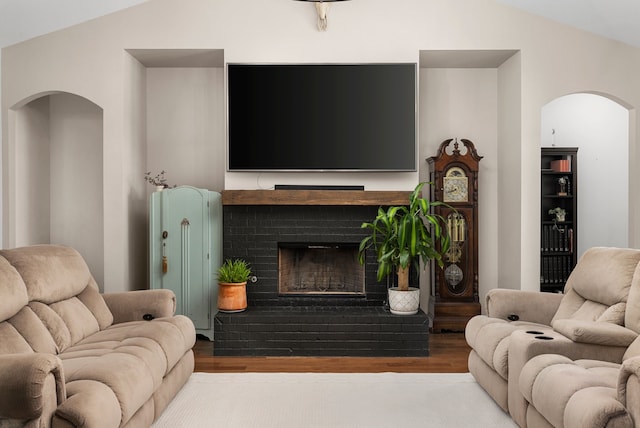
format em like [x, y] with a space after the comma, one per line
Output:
[311, 295]
[257, 233]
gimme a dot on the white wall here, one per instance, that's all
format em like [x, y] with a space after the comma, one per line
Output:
[599, 128]
[508, 213]
[186, 126]
[60, 167]
[90, 60]
[75, 155]
[1, 185]
[32, 175]
[463, 103]
[131, 192]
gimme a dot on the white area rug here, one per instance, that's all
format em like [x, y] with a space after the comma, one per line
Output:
[335, 400]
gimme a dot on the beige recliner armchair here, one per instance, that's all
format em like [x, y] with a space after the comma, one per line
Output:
[564, 393]
[586, 393]
[588, 321]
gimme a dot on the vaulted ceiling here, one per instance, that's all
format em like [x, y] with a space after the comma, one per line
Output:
[24, 19]
[614, 19]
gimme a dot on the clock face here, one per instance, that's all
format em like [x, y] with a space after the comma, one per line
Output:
[455, 185]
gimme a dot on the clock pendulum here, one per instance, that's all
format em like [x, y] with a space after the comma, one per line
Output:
[453, 274]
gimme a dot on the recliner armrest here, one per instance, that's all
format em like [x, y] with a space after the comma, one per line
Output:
[140, 305]
[24, 391]
[629, 385]
[518, 305]
[593, 332]
[523, 346]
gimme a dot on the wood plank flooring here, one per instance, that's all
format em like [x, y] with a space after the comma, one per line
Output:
[448, 354]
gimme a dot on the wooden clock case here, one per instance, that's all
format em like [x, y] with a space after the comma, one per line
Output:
[455, 287]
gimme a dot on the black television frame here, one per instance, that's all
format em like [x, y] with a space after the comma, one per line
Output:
[414, 129]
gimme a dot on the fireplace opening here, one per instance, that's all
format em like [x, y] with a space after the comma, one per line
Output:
[320, 269]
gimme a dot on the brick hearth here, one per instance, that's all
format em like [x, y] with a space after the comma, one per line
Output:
[321, 331]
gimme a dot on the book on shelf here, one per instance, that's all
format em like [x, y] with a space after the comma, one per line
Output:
[556, 238]
[555, 269]
[561, 165]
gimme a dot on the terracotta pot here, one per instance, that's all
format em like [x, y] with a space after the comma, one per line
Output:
[232, 297]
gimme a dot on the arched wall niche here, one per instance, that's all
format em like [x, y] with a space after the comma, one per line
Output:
[602, 128]
[55, 174]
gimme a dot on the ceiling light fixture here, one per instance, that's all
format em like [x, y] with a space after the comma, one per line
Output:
[322, 7]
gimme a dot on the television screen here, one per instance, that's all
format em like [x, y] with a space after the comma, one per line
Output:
[321, 117]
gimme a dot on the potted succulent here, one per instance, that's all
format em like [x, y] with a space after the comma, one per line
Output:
[560, 213]
[401, 237]
[232, 281]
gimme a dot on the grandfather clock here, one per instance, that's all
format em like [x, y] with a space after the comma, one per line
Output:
[454, 174]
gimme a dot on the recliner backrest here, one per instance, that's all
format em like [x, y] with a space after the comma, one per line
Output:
[51, 273]
[632, 314]
[62, 304]
[13, 291]
[13, 302]
[599, 285]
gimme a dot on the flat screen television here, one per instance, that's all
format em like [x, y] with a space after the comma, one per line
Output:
[321, 117]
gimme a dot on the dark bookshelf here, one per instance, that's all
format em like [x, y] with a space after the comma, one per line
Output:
[558, 239]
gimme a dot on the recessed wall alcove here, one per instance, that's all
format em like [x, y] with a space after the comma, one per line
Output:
[182, 129]
[57, 190]
[600, 127]
[183, 98]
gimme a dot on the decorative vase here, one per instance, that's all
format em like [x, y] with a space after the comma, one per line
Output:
[159, 188]
[404, 302]
[232, 297]
[560, 217]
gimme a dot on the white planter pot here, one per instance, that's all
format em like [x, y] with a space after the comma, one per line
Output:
[404, 302]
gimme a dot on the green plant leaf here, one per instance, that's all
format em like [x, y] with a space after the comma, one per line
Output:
[234, 271]
[405, 234]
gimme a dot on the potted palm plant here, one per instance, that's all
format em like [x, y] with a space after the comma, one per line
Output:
[232, 285]
[401, 237]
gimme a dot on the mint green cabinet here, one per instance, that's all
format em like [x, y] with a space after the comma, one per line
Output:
[186, 250]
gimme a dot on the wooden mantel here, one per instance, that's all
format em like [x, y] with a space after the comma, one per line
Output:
[315, 197]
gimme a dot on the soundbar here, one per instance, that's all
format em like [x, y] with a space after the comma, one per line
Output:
[316, 187]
